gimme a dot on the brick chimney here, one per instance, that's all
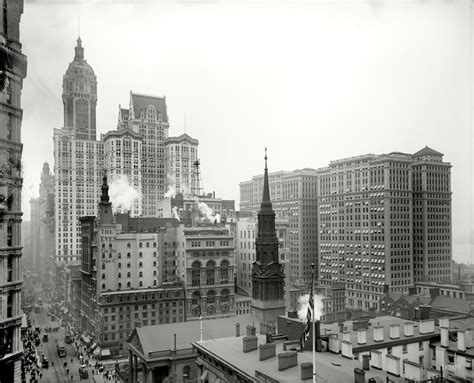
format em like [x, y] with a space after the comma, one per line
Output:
[444, 331]
[362, 336]
[408, 328]
[378, 333]
[426, 326]
[394, 331]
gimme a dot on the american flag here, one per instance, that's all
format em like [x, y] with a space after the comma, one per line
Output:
[307, 326]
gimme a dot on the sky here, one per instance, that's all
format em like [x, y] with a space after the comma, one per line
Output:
[313, 81]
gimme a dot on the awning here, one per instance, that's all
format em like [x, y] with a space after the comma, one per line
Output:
[105, 352]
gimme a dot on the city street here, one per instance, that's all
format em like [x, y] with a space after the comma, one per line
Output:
[57, 371]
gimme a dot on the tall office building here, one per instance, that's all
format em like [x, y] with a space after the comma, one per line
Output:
[382, 220]
[78, 157]
[123, 160]
[180, 159]
[12, 73]
[432, 223]
[293, 197]
[147, 115]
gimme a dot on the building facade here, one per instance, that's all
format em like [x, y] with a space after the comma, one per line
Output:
[371, 219]
[432, 217]
[123, 161]
[206, 265]
[12, 72]
[181, 154]
[294, 198]
[147, 115]
[78, 158]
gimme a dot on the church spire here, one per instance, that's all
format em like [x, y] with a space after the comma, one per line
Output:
[266, 203]
[79, 50]
[105, 215]
[104, 198]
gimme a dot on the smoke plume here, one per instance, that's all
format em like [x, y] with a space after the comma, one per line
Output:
[175, 213]
[171, 193]
[122, 194]
[303, 303]
[206, 210]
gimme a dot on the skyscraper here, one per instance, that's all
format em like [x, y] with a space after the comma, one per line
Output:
[12, 73]
[148, 116]
[268, 279]
[180, 159]
[78, 157]
[384, 219]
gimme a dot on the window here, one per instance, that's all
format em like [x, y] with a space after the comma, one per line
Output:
[210, 272]
[196, 273]
[103, 276]
[103, 285]
[103, 266]
[211, 297]
[140, 245]
[128, 274]
[225, 271]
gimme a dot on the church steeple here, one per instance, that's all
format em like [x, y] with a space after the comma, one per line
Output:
[105, 215]
[79, 56]
[268, 279]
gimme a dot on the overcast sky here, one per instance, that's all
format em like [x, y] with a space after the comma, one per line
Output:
[313, 81]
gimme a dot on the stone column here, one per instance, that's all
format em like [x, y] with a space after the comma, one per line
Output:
[143, 373]
[135, 369]
[130, 368]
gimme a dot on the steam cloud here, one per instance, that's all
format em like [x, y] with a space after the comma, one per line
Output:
[208, 212]
[175, 213]
[171, 193]
[303, 303]
[122, 194]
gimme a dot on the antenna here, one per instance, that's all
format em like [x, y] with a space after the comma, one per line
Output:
[196, 187]
[78, 26]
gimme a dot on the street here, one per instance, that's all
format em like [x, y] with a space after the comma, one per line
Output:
[57, 371]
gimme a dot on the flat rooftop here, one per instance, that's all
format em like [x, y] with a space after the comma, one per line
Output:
[330, 368]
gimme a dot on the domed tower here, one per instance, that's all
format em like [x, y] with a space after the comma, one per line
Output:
[80, 96]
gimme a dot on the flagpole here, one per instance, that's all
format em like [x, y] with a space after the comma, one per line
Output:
[314, 327]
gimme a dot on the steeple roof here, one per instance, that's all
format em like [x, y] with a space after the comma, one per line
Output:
[266, 203]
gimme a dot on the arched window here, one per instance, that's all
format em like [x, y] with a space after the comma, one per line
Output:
[120, 275]
[103, 266]
[225, 296]
[103, 285]
[128, 245]
[210, 272]
[211, 297]
[140, 245]
[119, 265]
[195, 298]
[128, 274]
[196, 273]
[186, 372]
[103, 276]
[128, 284]
[225, 271]
[119, 285]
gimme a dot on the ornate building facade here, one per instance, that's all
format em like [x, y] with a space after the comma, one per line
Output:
[148, 116]
[78, 158]
[12, 72]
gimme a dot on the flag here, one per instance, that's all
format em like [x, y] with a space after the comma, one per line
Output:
[307, 326]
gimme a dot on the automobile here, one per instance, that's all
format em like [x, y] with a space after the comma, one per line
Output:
[45, 362]
[83, 373]
[45, 337]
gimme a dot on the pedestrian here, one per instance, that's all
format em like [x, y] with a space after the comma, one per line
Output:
[67, 371]
[71, 360]
[72, 377]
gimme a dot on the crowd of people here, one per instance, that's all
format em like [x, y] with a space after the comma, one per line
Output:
[30, 362]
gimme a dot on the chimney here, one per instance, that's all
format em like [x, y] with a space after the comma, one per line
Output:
[361, 336]
[426, 326]
[408, 328]
[469, 342]
[461, 340]
[444, 331]
[394, 331]
[378, 333]
[444, 322]
[346, 336]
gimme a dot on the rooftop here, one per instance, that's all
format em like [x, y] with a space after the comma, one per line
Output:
[332, 368]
